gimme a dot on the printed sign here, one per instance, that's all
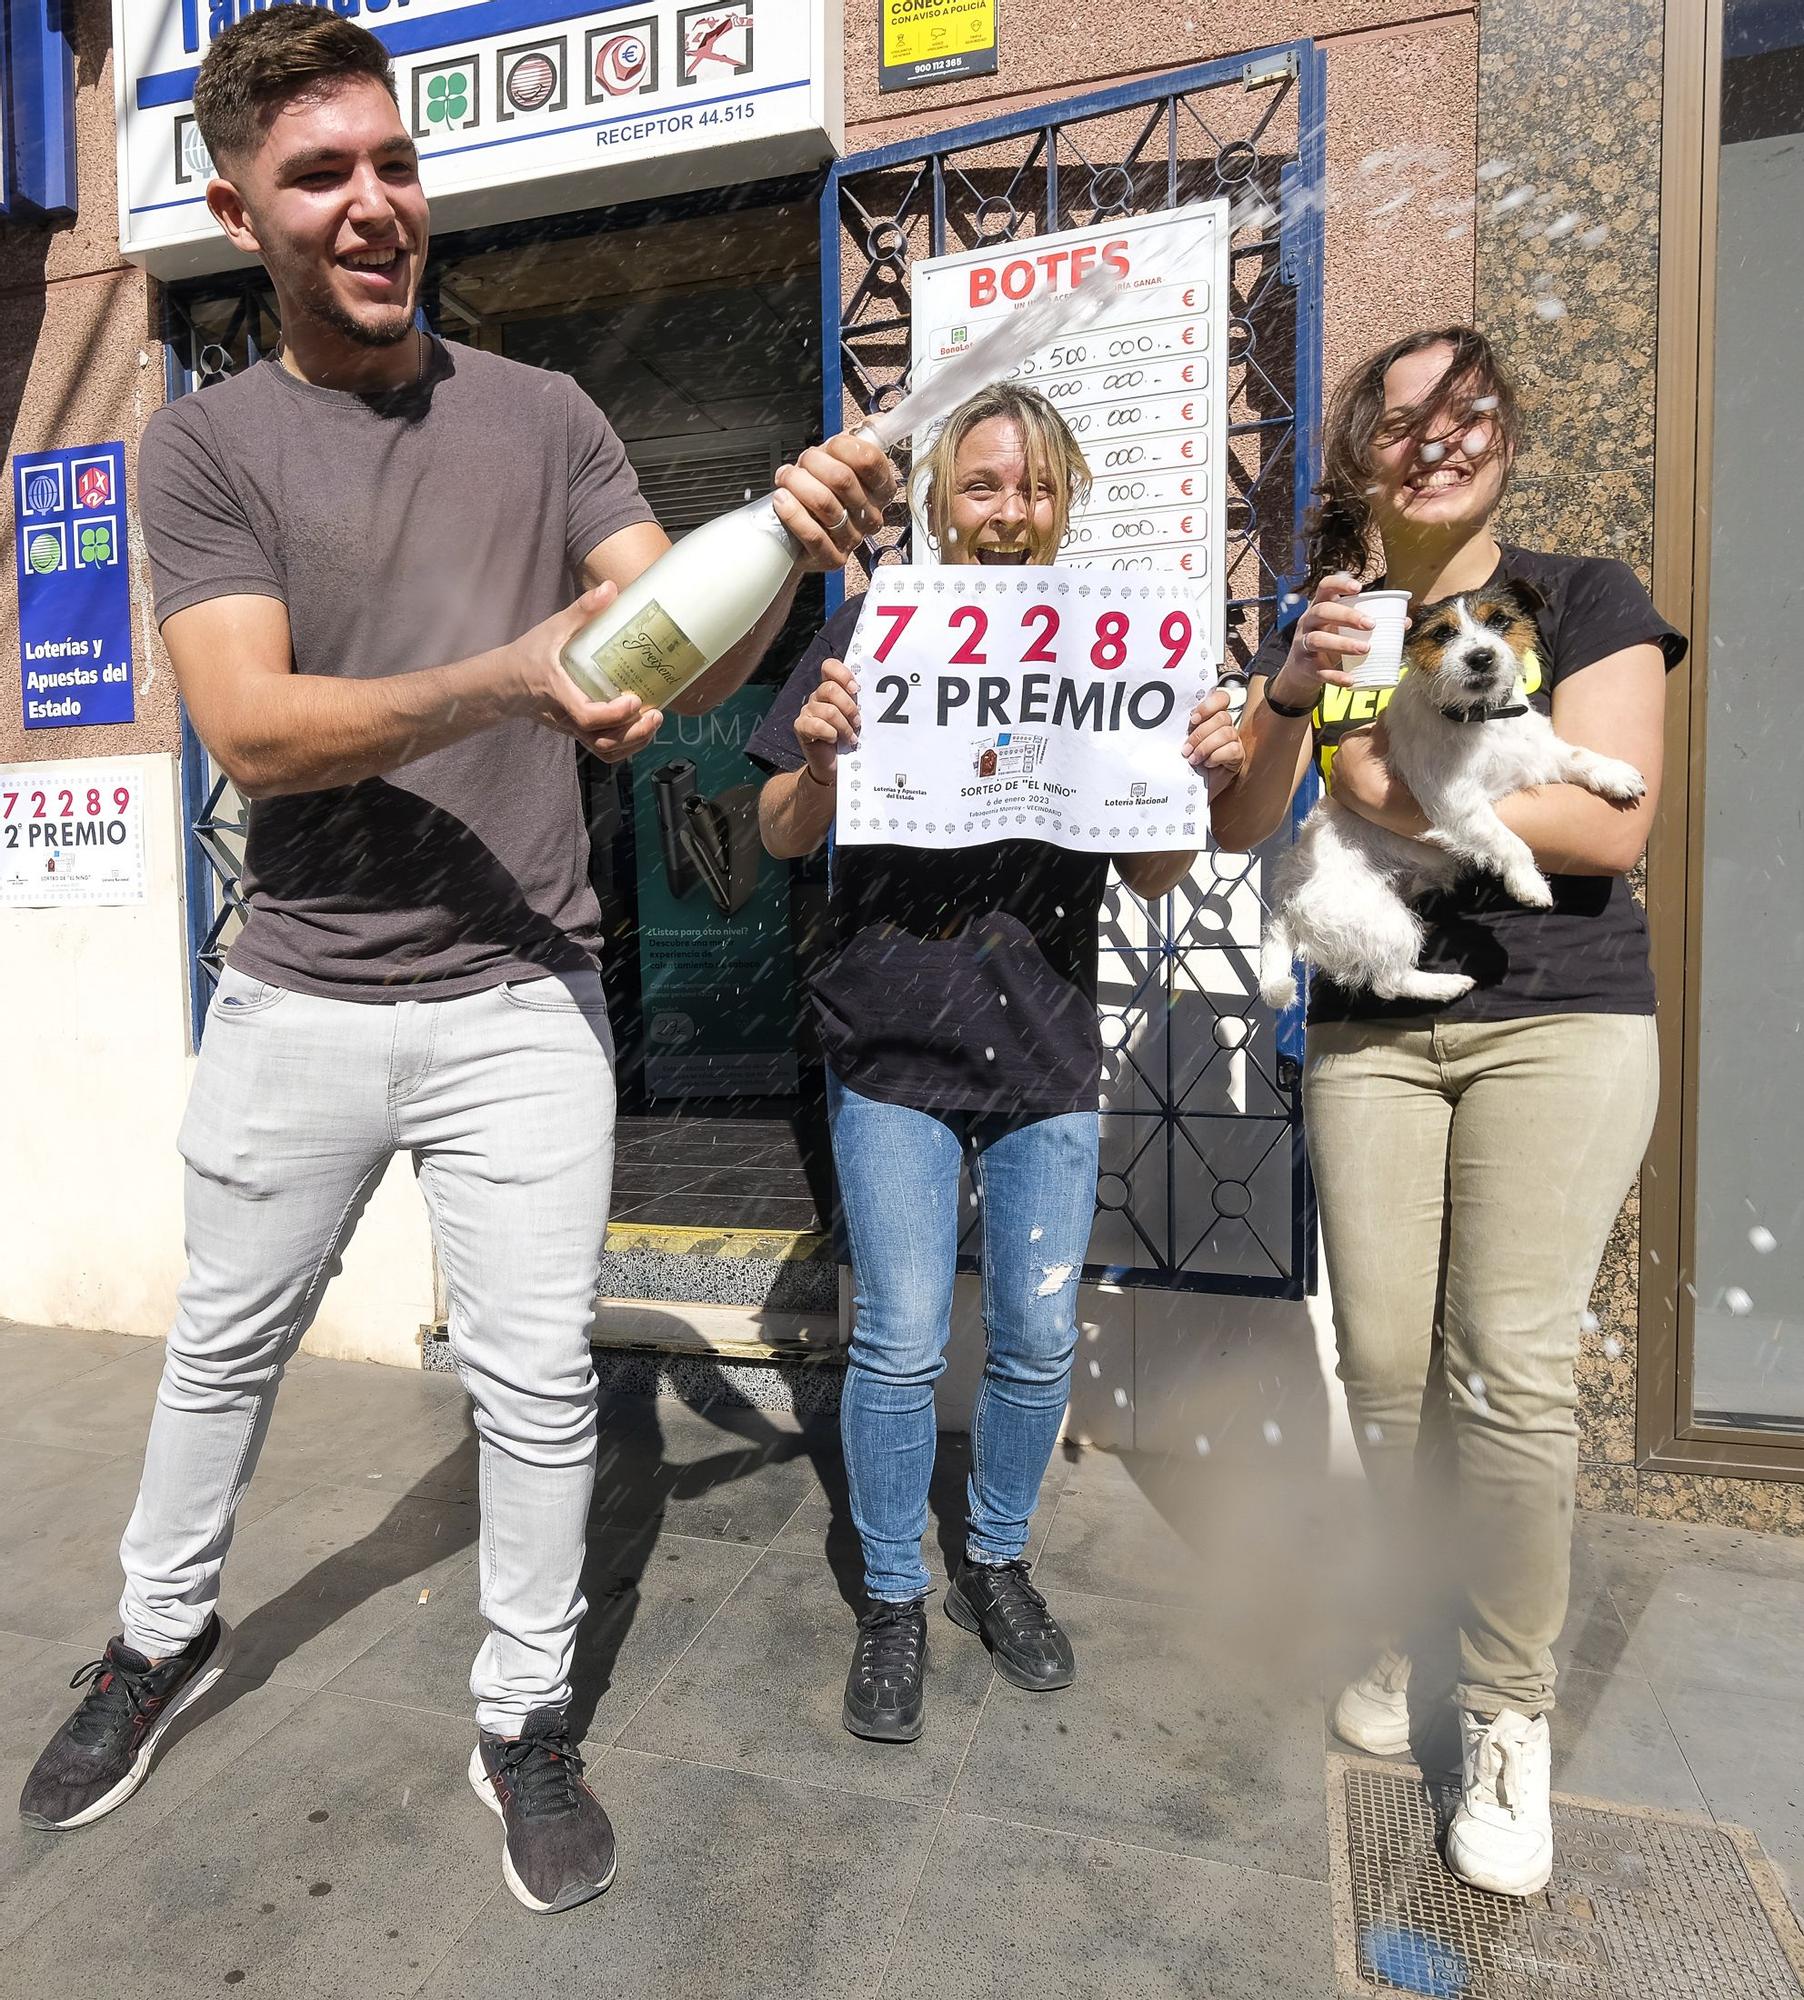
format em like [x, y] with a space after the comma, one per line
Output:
[1026, 704]
[934, 41]
[519, 107]
[1145, 391]
[75, 639]
[71, 834]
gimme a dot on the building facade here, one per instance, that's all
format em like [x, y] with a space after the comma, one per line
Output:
[718, 220]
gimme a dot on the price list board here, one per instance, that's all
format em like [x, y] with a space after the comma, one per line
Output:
[1144, 389]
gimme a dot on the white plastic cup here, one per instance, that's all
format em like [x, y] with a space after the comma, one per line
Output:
[1382, 666]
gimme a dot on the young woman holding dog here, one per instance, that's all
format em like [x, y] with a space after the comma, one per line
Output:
[956, 1005]
[1471, 1158]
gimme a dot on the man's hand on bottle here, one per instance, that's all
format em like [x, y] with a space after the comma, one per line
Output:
[828, 722]
[833, 498]
[537, 685]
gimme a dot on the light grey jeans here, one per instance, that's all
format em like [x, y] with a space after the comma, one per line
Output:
[505, 1099]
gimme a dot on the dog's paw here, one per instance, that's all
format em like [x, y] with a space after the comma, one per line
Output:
[1279, 994]
[1610, 778]
[1439, 986]
[1529, 887]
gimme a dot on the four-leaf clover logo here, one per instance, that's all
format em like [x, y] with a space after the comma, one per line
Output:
[447, 98]
[97, 543]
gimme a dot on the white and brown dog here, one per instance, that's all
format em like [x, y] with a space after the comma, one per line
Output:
[1461, 736]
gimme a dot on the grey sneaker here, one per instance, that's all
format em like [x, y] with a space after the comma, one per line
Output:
[102, 1754]
[559, 1846]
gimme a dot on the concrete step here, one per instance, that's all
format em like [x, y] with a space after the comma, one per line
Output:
[783, 1271]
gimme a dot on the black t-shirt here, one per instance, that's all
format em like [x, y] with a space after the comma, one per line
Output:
[1586, 955]
[958, 979]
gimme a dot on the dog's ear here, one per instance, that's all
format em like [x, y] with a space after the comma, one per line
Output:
[1525, 595]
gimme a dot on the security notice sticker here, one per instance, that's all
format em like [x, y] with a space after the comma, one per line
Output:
[934, 41]
[1026, 704]
[71, 834]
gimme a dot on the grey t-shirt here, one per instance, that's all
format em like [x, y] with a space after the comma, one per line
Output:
[401, 531]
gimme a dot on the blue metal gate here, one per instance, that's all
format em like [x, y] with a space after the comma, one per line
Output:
[1204, 1185]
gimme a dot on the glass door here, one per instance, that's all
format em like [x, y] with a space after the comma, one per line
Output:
[1722, 1379]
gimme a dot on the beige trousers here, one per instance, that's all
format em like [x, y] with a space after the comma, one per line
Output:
[1469, 1174]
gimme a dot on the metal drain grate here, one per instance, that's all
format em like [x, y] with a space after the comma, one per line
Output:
[1643, 1905]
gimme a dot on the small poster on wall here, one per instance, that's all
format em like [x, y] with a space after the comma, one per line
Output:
[72, 835]
[75, 628]
[934, 41]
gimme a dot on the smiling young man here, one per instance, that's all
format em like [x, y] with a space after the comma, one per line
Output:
[364, 550]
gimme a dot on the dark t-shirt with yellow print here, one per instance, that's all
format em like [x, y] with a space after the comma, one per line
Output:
[1588, 954]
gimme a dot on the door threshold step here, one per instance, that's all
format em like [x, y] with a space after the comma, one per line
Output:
[775, 1270]
[699, 1327]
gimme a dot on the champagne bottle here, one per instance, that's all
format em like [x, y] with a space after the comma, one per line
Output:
[696, 602]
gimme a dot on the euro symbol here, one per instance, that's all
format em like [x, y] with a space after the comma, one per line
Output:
[1190, 298]
[1184, 525]
[1188, 448]
[1186, 487]
[1189, 331]
[1186, 410]
[1184, 562]
[1189, 371]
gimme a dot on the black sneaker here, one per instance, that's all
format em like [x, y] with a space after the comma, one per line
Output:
[1010, 1616]
[102, 1754]
[883, 1688]
[559, 1847]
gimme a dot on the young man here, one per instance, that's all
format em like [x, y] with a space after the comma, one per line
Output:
[362, 549]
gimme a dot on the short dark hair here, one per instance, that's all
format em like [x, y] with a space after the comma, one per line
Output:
[267, 60]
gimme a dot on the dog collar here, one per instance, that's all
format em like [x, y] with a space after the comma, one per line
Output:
[1486, 714]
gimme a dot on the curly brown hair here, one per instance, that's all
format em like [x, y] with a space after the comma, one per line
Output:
[1338, 535]
[269, 59]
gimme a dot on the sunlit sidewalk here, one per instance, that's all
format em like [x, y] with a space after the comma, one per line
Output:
[1161, 1828]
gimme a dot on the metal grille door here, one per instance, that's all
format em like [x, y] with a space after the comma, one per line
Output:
[1204, 1184]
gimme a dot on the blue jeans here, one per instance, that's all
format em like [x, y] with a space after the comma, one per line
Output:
[1035, 1179]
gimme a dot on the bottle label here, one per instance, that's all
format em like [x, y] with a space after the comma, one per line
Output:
[650, 656]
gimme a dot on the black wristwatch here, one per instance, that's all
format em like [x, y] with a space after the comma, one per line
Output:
[1278, 707]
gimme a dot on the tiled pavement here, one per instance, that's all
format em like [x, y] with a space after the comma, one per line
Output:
[698, 1170]
[1156, 1831]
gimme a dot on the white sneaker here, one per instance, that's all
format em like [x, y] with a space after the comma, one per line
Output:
[1373, 1711]
[1501, 1838]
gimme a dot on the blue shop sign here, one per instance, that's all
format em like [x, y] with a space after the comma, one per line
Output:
[37, 107]
[75, 631]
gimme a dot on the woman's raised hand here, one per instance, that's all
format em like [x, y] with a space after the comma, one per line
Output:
[1326, 644]
[828, 722]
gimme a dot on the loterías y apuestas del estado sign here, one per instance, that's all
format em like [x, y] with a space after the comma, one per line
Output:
[519, 107]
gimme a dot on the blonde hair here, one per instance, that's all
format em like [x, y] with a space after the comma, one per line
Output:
[1054, 460]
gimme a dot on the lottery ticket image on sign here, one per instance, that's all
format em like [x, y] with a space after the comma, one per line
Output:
[1027, 704]
[1144, 391]
[71, 834]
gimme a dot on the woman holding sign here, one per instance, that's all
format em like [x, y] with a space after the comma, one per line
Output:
[957, 1010]
[1470, 1157]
